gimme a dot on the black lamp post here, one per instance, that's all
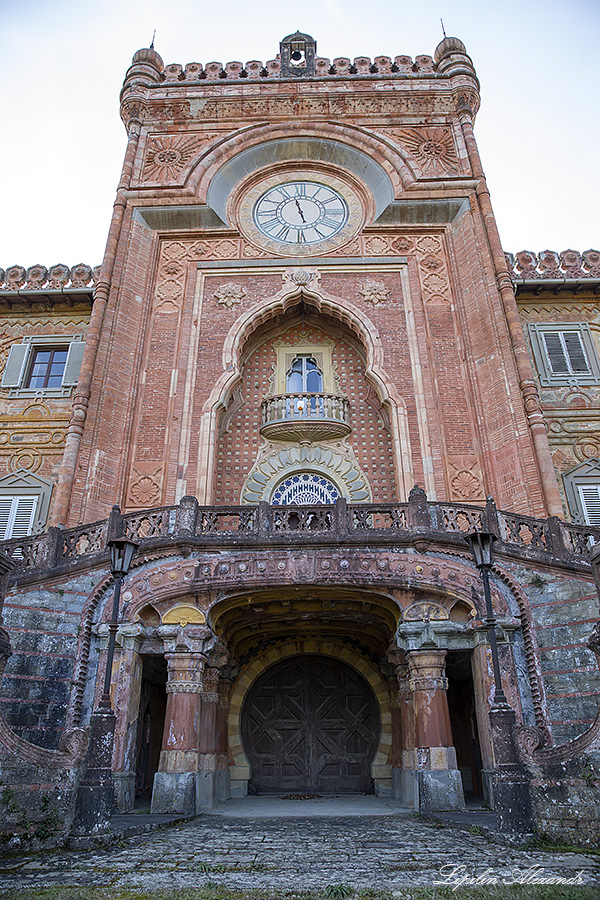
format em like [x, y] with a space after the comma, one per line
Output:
[121, 553]
[96, 792]
[482, 548]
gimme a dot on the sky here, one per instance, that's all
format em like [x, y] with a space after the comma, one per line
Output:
[62, 64]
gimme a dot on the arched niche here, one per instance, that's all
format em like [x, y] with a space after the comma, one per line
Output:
[273, 311]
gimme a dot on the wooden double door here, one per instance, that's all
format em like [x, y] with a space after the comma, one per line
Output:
[310, 724]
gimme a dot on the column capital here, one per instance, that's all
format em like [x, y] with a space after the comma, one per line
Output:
[427, 670]
[188, 638]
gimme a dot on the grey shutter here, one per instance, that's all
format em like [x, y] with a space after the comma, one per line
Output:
[557, 360]
[73, 363]
[5, 511]
[590, 501]
[14, 370]
[575, 352]
[16, 516]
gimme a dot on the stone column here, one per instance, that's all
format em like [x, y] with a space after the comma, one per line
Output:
[438, 778]
[223, 789]
[206, 786]
[404, 786]
[175, 783]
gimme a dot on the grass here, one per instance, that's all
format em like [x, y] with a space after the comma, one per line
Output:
[220, 892]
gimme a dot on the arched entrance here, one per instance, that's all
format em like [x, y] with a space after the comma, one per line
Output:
[310, 723]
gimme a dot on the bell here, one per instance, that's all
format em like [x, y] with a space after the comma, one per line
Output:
[296, 55]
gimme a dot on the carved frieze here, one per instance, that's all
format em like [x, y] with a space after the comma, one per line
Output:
[145, 484]
[225, 109]
[432, 149]
[374, 292]
[167, 155]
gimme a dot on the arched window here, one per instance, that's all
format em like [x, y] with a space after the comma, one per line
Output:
[304, 377]
[305, 489]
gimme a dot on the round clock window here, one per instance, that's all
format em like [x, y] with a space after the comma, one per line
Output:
[300, 212]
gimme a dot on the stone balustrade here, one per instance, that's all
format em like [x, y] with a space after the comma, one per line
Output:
[418, 521]
[307, 416]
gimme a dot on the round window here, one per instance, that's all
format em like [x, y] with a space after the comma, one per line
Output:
[305, 489]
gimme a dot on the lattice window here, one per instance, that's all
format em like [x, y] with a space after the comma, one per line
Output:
[582, 487]
[305, 489]
[565, 353]
[24, 503]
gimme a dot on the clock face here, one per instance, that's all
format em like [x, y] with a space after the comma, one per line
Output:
[300, 212]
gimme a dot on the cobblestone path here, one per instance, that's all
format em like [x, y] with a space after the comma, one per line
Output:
[379, 852]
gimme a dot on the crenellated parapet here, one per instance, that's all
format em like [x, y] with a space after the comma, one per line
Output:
[550, 265]
[340, 67]
[148, 77]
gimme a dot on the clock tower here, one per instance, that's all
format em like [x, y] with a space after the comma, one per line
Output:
[304, 377]
[303, 209]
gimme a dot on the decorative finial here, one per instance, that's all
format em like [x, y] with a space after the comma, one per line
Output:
[442, 24]
[154, 35]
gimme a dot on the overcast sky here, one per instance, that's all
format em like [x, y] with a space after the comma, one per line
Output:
[63, 62]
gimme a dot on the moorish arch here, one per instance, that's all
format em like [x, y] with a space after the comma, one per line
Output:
[301, 288]
[386, 167]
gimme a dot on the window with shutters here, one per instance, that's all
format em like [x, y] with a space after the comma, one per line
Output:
[43, 366]
[582, 487]
[590, 503]
[17, 515]
[24, 504]
[565, 354]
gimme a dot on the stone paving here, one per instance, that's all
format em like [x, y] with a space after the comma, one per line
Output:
[383, 852]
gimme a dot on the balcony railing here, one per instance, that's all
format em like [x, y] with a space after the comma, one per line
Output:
[305, 417]
[264, 527]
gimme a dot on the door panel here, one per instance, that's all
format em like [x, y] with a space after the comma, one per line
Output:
[310, 724]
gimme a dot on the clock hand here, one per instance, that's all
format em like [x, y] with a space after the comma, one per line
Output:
[300, 211]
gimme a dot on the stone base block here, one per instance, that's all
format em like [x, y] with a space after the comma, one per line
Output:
[405, 787]
[239, 788]
[124, 790]
[174, 792]
[223, 787]
[440, 789]
[383, 787]
[487, 784]
[94, 806]
[512, 802]
[205, 790]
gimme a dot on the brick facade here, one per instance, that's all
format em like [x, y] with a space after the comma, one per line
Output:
[431, 403]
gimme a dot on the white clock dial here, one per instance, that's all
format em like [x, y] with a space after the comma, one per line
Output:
[300, 212]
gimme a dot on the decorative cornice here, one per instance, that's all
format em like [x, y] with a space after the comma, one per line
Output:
[548, 265]
[57, 278]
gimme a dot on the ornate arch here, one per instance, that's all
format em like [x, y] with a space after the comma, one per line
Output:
[292, 292]
[338, 466]
[394, 160]
[381, 769]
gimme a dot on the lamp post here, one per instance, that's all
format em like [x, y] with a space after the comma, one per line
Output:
[508, 786]
[482, 548]
[95, 794]
[121, 553]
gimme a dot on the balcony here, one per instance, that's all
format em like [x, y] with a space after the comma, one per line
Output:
[192, 529]
[305, 417]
